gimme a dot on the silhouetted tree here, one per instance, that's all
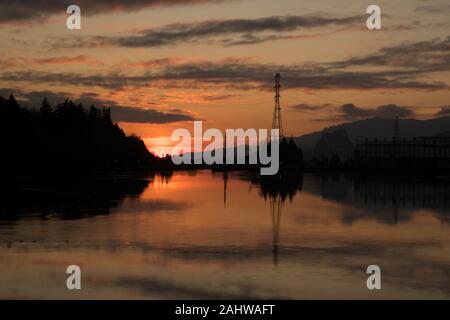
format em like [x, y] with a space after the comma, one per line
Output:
[12, 103]
[106, 114]
[67, 138]
[291, 156]
[94, 113]
[46, 108]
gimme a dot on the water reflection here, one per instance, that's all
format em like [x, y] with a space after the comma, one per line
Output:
[202, 235]
[407, 194]
[276, 189]
[77, 197]
[389, 200]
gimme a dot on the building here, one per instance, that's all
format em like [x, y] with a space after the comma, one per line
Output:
[403, 153]
[404, 149]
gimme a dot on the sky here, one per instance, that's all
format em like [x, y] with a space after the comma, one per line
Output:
[160, 64]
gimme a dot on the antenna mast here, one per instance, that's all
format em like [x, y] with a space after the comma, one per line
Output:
[276, 121]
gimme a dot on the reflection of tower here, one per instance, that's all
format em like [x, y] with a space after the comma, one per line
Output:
[276, 204]
[396, 129]
[276, 121]
[224, 155]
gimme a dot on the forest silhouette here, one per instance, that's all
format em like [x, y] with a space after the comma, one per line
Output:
[67, 137]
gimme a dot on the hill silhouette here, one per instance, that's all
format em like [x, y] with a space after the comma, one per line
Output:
[67, 137]
[378, 128]
[334, 143]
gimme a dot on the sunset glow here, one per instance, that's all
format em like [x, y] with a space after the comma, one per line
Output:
[160, 68]
[225, 159]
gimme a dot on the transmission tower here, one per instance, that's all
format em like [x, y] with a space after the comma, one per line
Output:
[276, 121]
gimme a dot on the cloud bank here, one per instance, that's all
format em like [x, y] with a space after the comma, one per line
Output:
[33, 99]
[221, 32]
[19, 11]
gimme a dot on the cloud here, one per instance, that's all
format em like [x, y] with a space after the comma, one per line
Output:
[351, 112]
[138, 115]
[135, 114]
[248, 39]
[37, 10]
[303, 107]
[445, 111]
[245, 31]
[229, 75]
[153, 63]
[119, 113]
[434, 8]
[407, 58]
[33, 99]
[219, 97]
[405, 66]
[81, 59]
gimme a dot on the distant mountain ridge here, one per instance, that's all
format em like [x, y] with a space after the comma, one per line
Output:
[334, 143]
[376, 128]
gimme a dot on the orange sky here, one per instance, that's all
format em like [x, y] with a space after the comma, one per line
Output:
[214, 61]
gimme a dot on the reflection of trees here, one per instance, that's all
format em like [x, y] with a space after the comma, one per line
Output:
[281, 185]
[165, 176]
[420, 193]
[407, 194]
[387, 199]
[72, 198]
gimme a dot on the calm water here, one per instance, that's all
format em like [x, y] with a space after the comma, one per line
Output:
[210, 235]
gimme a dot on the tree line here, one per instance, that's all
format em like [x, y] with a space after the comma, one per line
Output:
[67, 136]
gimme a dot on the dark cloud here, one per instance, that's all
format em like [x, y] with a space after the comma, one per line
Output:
[33, 100]
[232, 75]
[397, 67]
[445, 111]
[351, 112]
[135, 114]
[110, 81]
[245, 31]
[220, 97]
[139, 115]
[303, 107]
[37, 10]
[80, 59]
[434, 8]
[407, 58]
[247, 39]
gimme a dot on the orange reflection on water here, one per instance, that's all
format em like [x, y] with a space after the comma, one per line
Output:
[216, 235]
